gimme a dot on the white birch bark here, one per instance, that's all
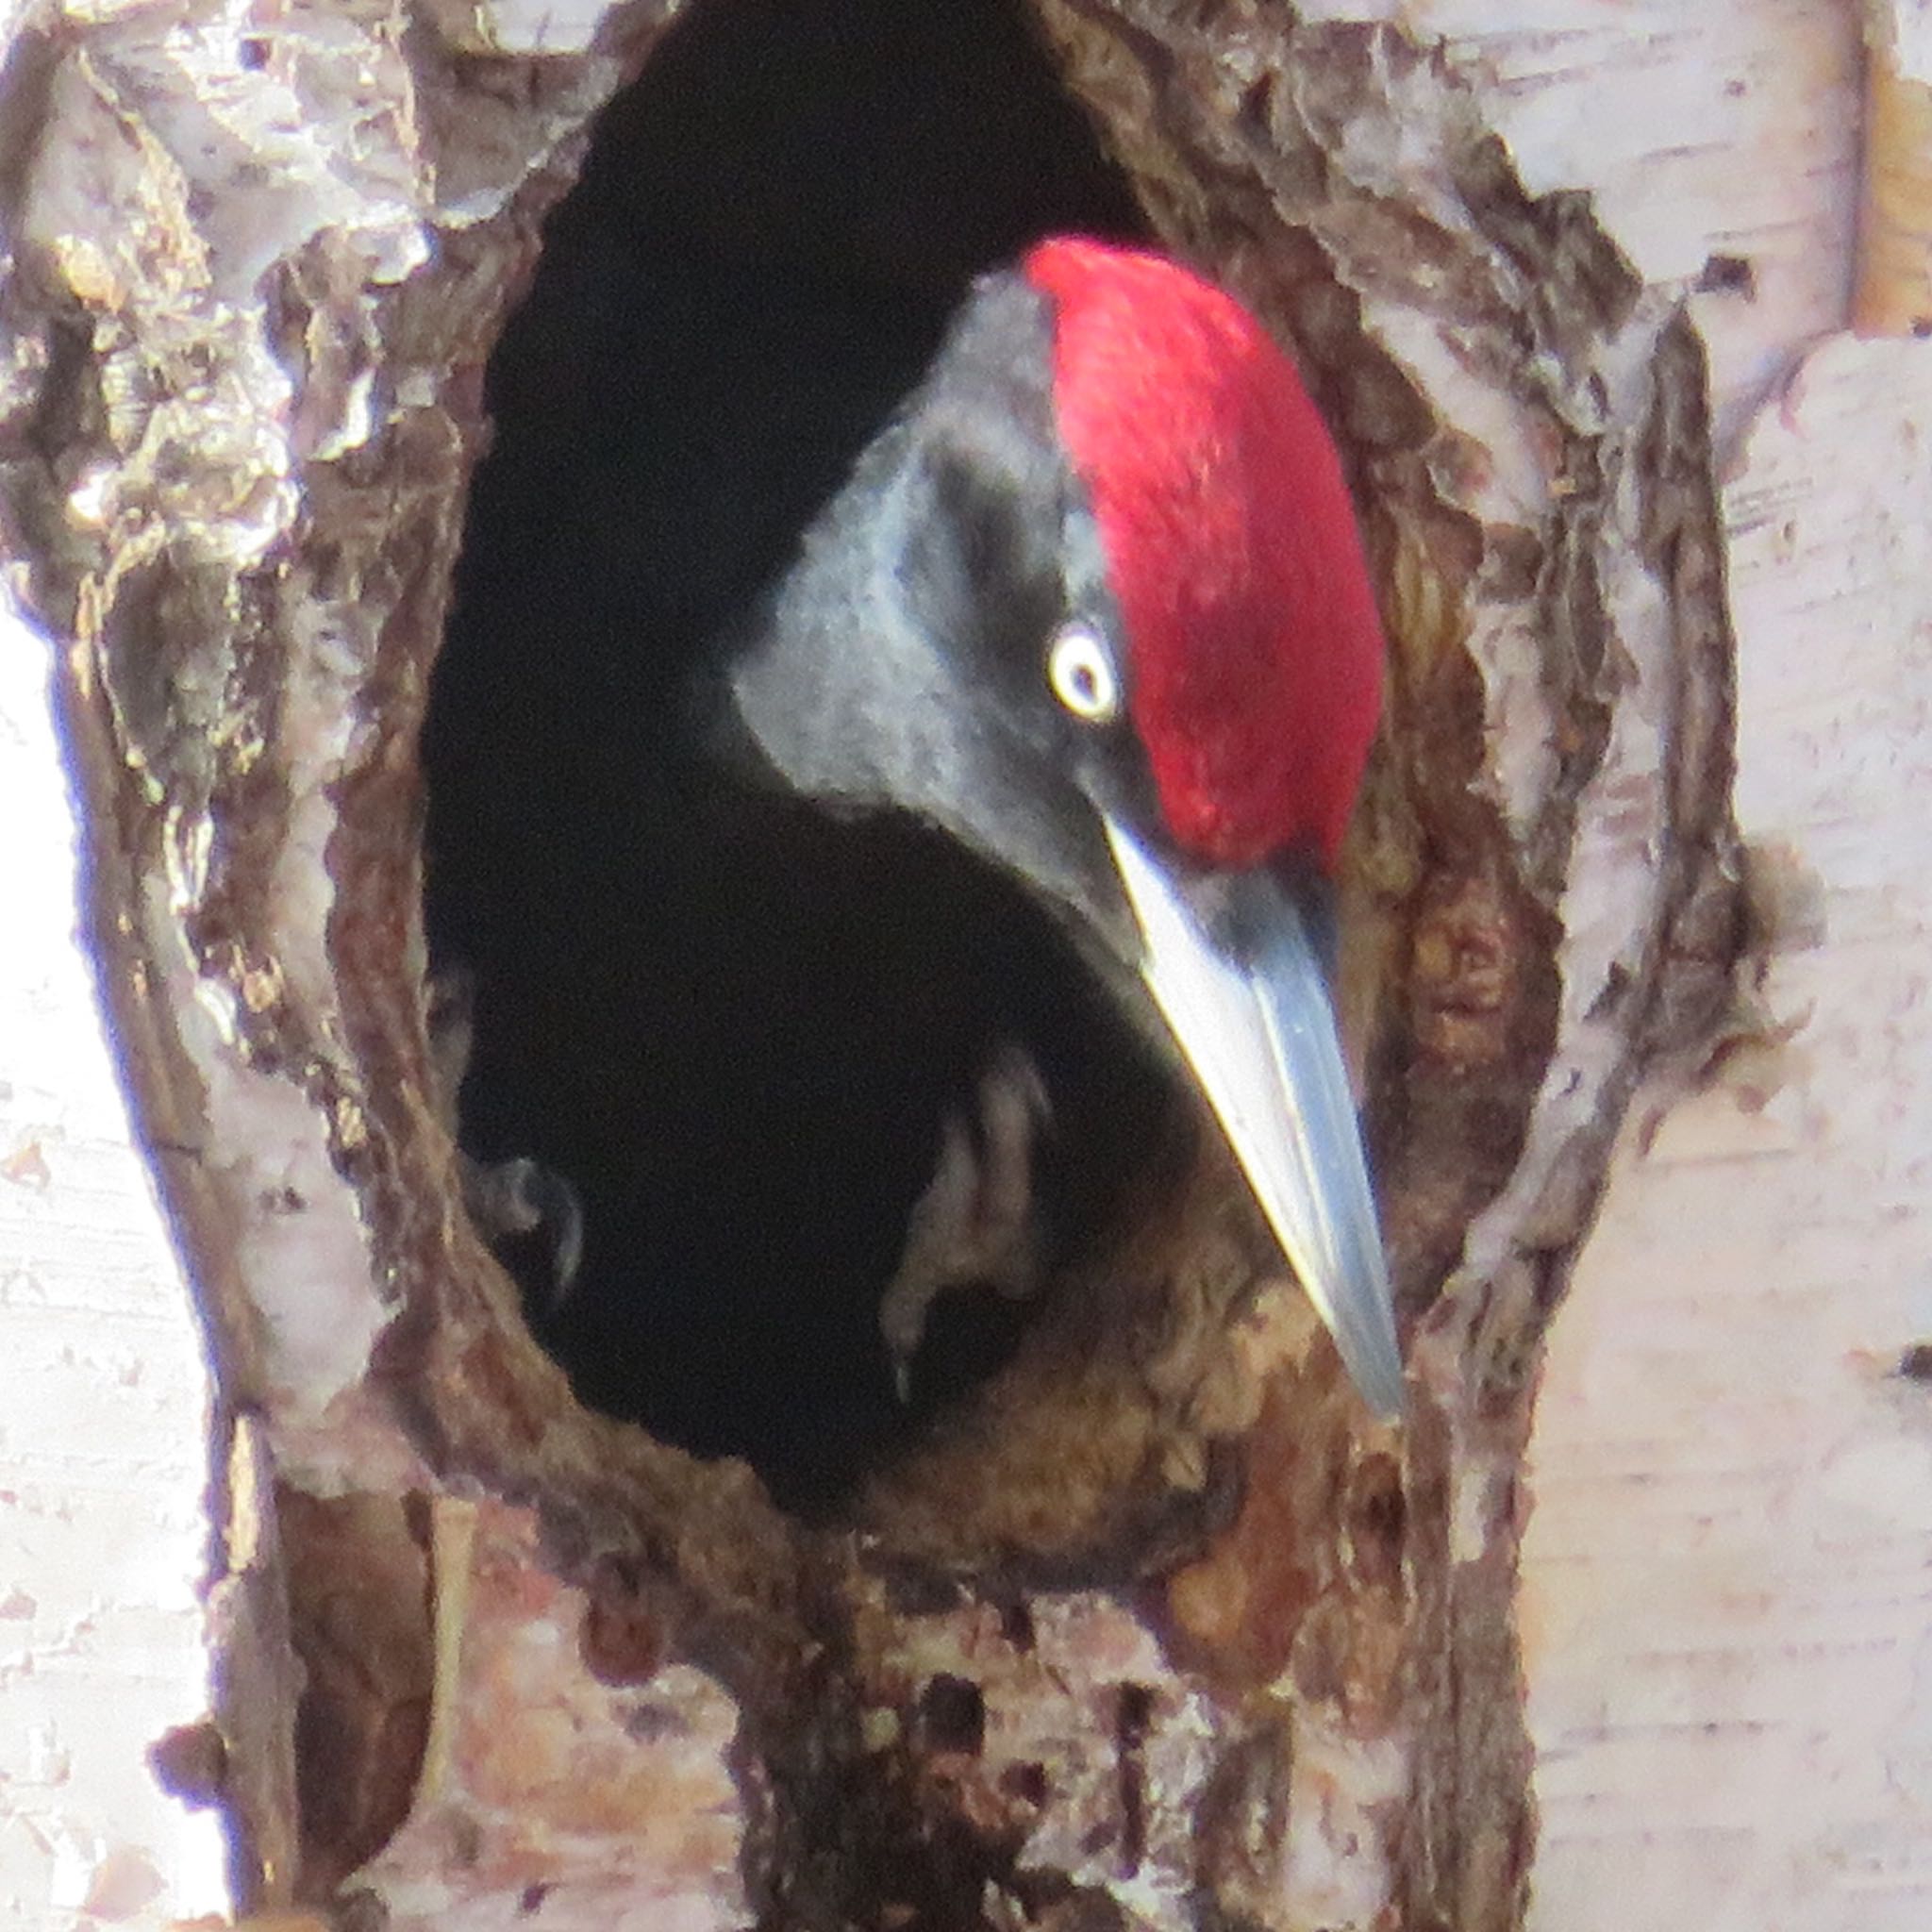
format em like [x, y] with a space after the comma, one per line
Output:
[103, 1414]
[1728, 1568]
[1728, 1561]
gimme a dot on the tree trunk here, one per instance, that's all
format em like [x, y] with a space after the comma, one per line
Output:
[1155, 1629]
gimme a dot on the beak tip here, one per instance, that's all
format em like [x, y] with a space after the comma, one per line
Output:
[1385, 1391]
[1362, 1320]
[1255, 1022]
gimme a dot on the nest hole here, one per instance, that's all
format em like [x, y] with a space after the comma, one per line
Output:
[734, 1024]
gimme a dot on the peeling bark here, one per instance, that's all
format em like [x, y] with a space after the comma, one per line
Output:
[1154, 1631]
[1560, 749]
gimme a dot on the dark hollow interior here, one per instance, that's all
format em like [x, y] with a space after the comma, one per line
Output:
[732, 1022]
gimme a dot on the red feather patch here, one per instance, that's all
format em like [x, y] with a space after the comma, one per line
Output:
[1232, 549]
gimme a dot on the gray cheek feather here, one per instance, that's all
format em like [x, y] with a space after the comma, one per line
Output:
[900, 664]
[861, 713]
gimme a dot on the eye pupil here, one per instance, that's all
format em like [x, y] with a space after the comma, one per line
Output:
[1082, 676]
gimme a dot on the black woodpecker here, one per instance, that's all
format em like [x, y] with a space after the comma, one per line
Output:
[1090, 616]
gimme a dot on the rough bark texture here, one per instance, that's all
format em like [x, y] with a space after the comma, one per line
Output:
[1724, 1570]
[1157, 1631]
[1533, 434]
[103, 1436]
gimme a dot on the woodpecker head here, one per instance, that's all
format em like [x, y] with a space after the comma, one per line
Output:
[1094, 603]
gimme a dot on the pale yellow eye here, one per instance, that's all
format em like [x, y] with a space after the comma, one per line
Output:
[1082, 676]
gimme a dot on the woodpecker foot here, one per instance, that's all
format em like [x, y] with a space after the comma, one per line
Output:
[450, 1017]
[505, 1199]
[512, 1198]
[975, 1224]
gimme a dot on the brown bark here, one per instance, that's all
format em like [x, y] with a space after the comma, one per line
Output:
[1159, 1630]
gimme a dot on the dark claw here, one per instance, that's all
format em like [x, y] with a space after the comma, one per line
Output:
[975, 1225]
[450, 1016]
[507, 1199]
[521, 1197]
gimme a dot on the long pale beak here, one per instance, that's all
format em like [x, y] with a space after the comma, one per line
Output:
[1254, 1023]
